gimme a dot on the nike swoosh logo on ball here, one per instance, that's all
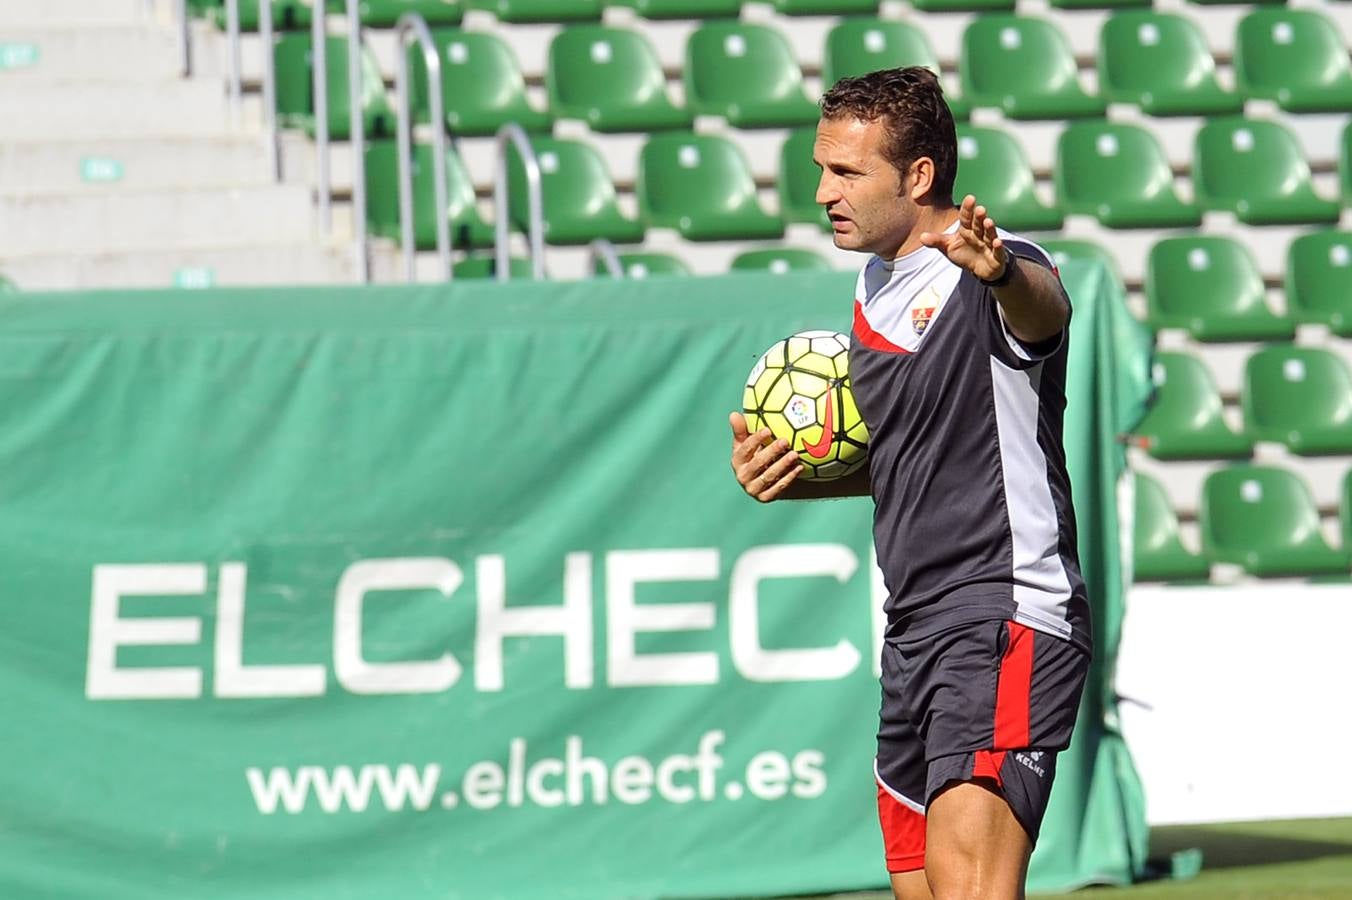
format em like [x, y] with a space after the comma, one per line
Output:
[823, 446]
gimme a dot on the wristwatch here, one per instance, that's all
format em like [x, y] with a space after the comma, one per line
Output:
[1006, 275]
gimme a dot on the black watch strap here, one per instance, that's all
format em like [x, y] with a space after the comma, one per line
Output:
[1007, 275]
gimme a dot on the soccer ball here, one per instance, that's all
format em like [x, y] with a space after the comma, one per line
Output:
[800, 389]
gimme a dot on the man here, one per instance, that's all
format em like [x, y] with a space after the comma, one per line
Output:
[958, 365]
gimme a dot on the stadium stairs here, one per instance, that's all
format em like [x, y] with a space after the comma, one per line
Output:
[115, 171]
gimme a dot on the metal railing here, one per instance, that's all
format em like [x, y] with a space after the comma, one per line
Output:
[235, 81]
[184, 37]
[271, 137]
[513, 134]
[412, 24]
[603, 251]
[356, 129]
[270, 132]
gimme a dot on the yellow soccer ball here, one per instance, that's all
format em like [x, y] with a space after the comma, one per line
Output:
[800, 389]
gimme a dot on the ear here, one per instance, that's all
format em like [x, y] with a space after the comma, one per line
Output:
[921, 178]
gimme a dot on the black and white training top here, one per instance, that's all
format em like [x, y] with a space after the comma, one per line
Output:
[973, 517]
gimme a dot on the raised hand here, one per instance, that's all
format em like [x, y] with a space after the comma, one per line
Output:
[764, 467]
[975, 245]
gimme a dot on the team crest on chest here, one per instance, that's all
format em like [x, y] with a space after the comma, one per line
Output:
[923, 308]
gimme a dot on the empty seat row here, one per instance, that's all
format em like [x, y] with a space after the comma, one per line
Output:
[1300, 397]
[702, 185]
[1210, 286]
[699, 185]
[1261, 518]
[383, 13]
[746, 73]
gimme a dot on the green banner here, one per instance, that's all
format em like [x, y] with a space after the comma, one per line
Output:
[449, 592]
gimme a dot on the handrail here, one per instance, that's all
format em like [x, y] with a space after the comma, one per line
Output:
[603, 250]
[416, 25]
[356, 128]
[184, 38]
[235, 80]
[273, 140]
[320, 89]
[516, 135]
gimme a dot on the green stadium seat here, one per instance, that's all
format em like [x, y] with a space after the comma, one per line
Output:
[1319, 280]
[1211, 287]
[1345, 162]
[386, 13]
[1184, 420]
[541, 10]
[7, 286]
[993, 168]
[1257, 170]
[1295, 57]
[287, 15]
[1064, 250]
[859, 46]
[1098, 4]
[798, 179]
[644, 265]
[1024, 66]
[1345, 510]
[683, 9]
[468, 229]
[295, 91]
[960, 6]
[1264, 519]
[1158, 553]
[1238, 2]
[824, 7]
[780, 260]
[1161, 63]
[578, 195]
[481, 85]
[746, 74]
[702, 186]
[611, 79]
[486, 266]
[1300, 397]
[1118, 173]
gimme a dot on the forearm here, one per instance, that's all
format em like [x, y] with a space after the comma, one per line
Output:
[855, 484]
[1033, 303]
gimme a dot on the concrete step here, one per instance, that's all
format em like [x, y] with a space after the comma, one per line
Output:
[131, 164]
[235, 266]
[124, 220]
[110, 53]
[92, 109]
[21, 13]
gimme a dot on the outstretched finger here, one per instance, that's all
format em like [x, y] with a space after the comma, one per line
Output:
[967, 211]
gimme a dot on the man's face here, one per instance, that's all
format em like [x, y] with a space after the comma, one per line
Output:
[860, 189]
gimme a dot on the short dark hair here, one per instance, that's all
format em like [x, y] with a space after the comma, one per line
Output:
[910, 103]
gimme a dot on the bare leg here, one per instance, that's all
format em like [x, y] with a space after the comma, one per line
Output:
[974, 847]
[911, 886]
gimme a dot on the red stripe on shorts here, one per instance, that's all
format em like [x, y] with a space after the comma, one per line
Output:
[1011, 693]
[986, 764]
[903, 833]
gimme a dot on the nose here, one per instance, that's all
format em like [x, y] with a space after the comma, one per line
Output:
[828, 189]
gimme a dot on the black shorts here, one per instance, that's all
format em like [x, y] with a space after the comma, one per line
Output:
[993, 700]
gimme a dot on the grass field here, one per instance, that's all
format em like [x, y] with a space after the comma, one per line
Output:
[1299, 859]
